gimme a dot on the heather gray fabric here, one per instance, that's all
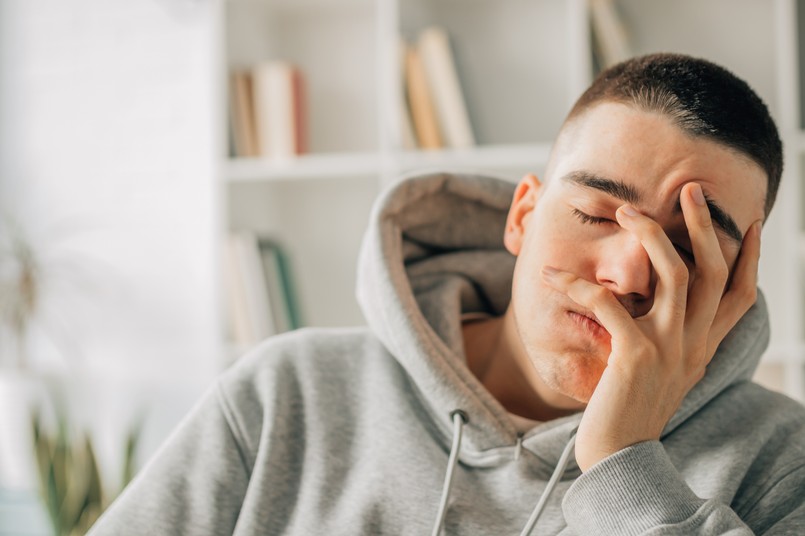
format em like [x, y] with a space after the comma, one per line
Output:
[347, 431]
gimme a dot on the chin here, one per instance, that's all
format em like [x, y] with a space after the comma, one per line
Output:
[572, 376]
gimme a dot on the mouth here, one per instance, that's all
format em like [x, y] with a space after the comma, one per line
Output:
[590, 324]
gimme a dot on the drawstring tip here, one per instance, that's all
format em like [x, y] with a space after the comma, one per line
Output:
[518, 448]
[459, 419]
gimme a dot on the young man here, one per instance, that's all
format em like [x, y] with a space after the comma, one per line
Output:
[575, 355]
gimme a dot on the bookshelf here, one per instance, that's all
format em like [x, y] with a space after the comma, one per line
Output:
[521, 64]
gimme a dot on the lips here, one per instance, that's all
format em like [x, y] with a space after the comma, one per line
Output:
[589, 323]
[589, 315]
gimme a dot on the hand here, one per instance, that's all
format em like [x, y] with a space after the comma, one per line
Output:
[657, 358]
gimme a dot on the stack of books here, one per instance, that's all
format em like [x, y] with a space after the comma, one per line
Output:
[259, 291]
[268, 111]
[433, 111]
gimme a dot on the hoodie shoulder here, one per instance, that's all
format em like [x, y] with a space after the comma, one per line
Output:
[772, 427]
[299, 379]
[751, 408]
[299, 349]
[300, 360]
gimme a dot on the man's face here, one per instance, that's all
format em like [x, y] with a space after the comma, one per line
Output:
[610, 156]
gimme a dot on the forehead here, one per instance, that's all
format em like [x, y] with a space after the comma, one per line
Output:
[647, 151]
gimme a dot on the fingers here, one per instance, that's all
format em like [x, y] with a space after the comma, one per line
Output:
[742, 291]
[670, 298]
[606, 307]
[711, 271]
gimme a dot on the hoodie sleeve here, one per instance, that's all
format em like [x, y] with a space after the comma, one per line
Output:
[638, 491]
[194, 485]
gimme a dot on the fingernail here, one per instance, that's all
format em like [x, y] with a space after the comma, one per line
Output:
[698, 196]
[757, 227]
[629, 211]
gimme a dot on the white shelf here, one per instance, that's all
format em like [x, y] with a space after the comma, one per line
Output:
[311, 6]
[339, 165]
[483, 157]
[311, 166]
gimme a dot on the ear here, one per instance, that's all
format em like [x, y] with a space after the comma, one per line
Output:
[524, 201]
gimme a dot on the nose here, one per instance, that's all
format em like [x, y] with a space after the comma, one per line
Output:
[625, 269]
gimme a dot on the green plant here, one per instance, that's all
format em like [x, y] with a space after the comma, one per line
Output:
[19, 286]
[70, 480]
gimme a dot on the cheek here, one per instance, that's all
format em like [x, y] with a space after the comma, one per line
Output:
[550, 245]
[565, 245]
[556, 238]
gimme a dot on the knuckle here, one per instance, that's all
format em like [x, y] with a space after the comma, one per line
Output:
[679, 273]
[749, 294]
[697, 374]
[720, 271]
[697, 363]
[646, 351]
[653, 230]
[705, 221]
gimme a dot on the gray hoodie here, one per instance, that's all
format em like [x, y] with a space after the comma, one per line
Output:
[351, 431]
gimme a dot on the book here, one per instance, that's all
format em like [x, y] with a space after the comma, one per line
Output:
[251, 310]
[444, 87]
[610, 39]
[420, 103]
[240, 328]
[260, 296]
[278, 285]
[241, 114]
[280, 109]
[298, 91]
[408, 138]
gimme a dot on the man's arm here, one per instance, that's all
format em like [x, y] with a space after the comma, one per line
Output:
[639, 491]
[194, 485]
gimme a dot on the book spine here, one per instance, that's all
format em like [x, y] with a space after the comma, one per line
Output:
[440, 71]
[422, 112]
[281, 123]
[275, 110]
[262, 113]
[408, 136]
[280, 297]
[251, 275]
[242, 114]
[300, 112]
[240, 324]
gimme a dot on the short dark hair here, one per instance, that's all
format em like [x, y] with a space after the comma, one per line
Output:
[700, 97]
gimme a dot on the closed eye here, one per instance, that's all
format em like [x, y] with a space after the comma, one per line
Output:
[686, 254]
[593, 220]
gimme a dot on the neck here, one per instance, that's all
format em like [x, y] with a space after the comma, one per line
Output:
[496, 357]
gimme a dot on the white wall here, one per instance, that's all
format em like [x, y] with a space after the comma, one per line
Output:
[108, 148]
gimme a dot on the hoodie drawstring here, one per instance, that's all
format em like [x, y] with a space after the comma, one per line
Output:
[557, 474]
[459, 420]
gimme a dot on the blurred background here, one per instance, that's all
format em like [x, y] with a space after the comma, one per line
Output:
[180, 179]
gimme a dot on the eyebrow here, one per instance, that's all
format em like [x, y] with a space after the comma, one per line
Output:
[615, 188]
[628, 193]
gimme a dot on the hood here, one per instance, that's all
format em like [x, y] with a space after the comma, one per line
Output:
[434, 251]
